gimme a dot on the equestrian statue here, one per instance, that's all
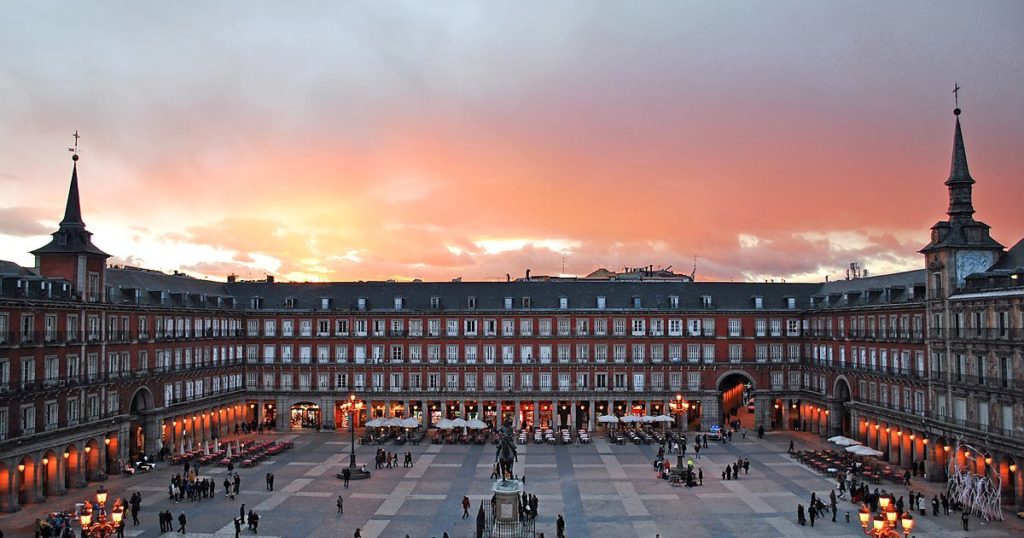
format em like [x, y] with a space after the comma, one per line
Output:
[506, 454]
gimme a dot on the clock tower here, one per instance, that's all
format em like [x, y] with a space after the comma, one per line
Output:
[960, 245]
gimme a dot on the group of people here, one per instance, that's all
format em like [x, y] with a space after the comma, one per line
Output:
[252, 519]
[190, 487]
[56, 525]
[732, 472]
[167, 522]
[389, 460]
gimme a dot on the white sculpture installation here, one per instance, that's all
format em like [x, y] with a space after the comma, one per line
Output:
[979, 494]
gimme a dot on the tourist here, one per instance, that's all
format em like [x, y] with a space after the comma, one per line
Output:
[346, 474]
[341, 505]
[238, 527]
[790, 446]
[935, 505]
[700, 477]
[906, 477]
[800, 518]
[357, 534]
[560, 527]
[465, 507]
[966, 518]
[182, 520]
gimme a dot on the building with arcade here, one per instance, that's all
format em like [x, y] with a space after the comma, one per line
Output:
[99, 364]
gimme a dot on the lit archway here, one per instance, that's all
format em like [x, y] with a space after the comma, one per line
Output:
[842, 394]
[48, 467]
[26, 480]
[72, 465]
[735, 390]
[305, 415]
[142, 400]
[92, 459]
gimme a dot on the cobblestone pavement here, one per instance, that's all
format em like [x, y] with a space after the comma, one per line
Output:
[602, 490]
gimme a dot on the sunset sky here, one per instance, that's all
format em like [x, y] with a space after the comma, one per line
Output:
[434, 140]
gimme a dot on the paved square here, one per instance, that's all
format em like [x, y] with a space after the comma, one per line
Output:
[601, 489]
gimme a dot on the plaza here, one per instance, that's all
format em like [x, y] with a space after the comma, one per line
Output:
[601, 489]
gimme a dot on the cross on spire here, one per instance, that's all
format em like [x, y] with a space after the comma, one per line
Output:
[74, 150]
[956, 99]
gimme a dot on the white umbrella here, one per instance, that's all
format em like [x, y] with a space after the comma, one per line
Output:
[647, 419]
[476, 424]
[843, 441]
[459, 423]
[863, 450]
[410, 423]
[629, 418]
[664, 418]
[394, 421]
[607, 418]
[375, 423]
[445, 424]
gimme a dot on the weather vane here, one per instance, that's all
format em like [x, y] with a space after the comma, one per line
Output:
[74, 150]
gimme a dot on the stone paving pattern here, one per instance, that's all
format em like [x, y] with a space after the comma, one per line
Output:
[601, 489]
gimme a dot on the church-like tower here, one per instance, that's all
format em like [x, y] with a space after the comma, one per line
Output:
[959, 245]
[70, 254]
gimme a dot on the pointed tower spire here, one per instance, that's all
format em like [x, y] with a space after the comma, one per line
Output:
[961, 206]
[73, 210]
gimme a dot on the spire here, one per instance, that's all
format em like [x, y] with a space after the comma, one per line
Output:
[73, 210]
[959, 183]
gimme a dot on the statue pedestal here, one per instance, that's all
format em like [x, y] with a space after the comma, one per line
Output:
[507, 494]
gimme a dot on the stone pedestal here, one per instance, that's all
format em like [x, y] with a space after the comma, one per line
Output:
[507, 494]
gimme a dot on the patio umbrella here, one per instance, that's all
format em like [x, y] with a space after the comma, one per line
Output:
[647, 419]
[375, 423]
[607, 418]
[628, 418]
[394, 421]
[664, 418]
[843, 441]
[410, 423]
[459, 423]
[445, 424]
[476, 424]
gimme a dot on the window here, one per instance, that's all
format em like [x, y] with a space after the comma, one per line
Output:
[619, 327]
[601, 302]
[638, 327]
[563, 303]
[735, 327]
[508, 303]
[735, 353]
[758, 302]
[675, 327]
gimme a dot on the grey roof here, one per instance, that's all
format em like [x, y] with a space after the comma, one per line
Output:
[543, 295]
[141, 286]
[875, 290]
[1012, 260]
[12, 269]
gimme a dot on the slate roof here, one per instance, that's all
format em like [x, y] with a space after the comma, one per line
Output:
[71, 237]
[866, 291]
[12, 269]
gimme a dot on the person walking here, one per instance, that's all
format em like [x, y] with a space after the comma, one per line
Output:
[813, 514]
[271, 481]
[790, 446]
[182, 520]
[346, 474]
[560, 527]
[241, 512]
[965, 518]
[238, 527]
[357, 534]
[700, 477]
[465, 507]
[268, 481]
[341, 505]
[935, 505]
[906, 477]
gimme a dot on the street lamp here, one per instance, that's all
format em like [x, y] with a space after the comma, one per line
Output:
[102, 527]
[887, 523]
[352, 428]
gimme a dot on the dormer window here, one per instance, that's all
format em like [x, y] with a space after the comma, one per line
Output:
[325, 303]
[471, 302]
[508, 303]
[791, 303]
[601, 302]
[398, 303]
[705, 301]
[673, 301]
[563, 303]
[758, 302]
[435, 303]
[289, 302]
[255, 303]
[636, 301]
[361, 303]
[527, 302]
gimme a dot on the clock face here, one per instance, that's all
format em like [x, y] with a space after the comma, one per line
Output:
[971, 261]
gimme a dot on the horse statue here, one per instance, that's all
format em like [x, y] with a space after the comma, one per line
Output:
[506, 453]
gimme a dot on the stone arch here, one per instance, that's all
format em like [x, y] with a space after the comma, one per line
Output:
[48, 477]
[730, 373]
[27, 471]
[1008, 478]
[142, 400]
[734, 388]
[842, 393]
[72, 465]
[5, 488]
[92, 459]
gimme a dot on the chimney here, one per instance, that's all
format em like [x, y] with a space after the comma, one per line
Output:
[270, 279]
[232, 278]
[508, 277]
[527, 274]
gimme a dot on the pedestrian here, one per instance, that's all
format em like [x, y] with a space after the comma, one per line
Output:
[813, 514]
[966, 518]
[697, 450]
[241, 512]
[800, 518]
[746, 466]
[465, 507]
[238, 527]
[790, 446]
[935, 505]
[357, 534]
[182, 520]
[945, 503]
[254, 521]
[560, 527]
[700, 477]
[906, 477]
[268, 481]
[920, 505]
[346, 474]
[341, 505]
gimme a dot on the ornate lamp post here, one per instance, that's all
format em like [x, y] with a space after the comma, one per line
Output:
[101, 527]
[352, 428]
[887, 523]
